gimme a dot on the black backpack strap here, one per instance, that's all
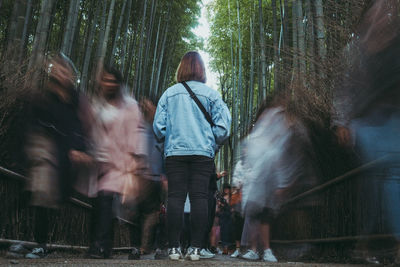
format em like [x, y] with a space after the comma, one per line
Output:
[194, 97]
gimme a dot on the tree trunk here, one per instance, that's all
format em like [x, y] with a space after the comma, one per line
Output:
[275, 40]
[68, 32]
[320, 31]
[25, 31]
[15, 32]
[107, 32]
[240, 87]
[138, 73]
[162, 52]
[88, 52]
[116, 37]
[310, 35]
[154, 58]
[251, 93]
[149, 38]
[262, 50]
[294, 38]
[125, 41]
[301, 39]
[101, 31]
[42, 32]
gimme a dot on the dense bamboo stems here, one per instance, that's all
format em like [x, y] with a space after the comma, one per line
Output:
[149, 34]
[107, 31]
[301, 38]
[25, 30]
[275, 41]
[310, 37]
[101, 31]
[15, 33]
[286, 44]
[262, 50]
[295, 64]
[88, 52]
[42, 31]
[70, 27]
[137, 76]
[233, 84]
[251, 93]
[154, 58]
[126, 34]
[162, 52]
[117, 34]
[320, 31]
[240, 85]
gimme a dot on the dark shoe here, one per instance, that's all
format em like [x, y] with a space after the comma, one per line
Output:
[98, 253]
[37, 253]
[134, 255]
[17, 251]
[161, 254]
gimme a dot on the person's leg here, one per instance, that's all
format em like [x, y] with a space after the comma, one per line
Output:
[148, 231]
[136, 230]
[104, 227]
[265, 235]
[41, 225]
[200, 171]
[177, 170]
[211, 216]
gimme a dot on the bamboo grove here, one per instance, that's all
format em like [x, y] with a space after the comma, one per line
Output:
[143, 38]
[259, 47]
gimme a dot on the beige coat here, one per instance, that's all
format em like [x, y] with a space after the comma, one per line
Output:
[120, 141]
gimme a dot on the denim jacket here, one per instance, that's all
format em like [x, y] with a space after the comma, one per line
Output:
[180, 121]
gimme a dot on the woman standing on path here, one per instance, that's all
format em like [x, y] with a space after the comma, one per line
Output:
[191, 141]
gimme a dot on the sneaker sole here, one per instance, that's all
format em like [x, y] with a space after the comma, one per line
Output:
[194, 257]
[174, 257]
[14, 255]
[250, 259]
[207, 257]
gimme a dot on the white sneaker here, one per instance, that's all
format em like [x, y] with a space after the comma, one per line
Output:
[174, 254]
[193, 254]
[219, 251]
[251, 255]
[206, 254]
[236, 253]
[268, 256]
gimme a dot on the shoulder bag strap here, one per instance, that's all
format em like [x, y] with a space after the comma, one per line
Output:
[194, 97]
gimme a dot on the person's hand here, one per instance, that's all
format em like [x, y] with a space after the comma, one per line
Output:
[149, 109]
[343, 136]
[80, 157]
[221, 174]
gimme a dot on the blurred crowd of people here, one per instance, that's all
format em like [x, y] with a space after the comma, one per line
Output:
[154, 164]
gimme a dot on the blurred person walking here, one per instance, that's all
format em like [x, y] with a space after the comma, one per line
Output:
[121, 153]
[56, 141]
[367, 120]
[192, 131]
[146, 210]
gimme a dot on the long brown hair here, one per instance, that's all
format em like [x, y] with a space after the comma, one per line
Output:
[191, 68]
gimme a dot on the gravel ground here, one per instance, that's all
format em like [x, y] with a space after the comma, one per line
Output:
[61, 259]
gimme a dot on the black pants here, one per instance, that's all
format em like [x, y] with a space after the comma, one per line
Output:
[188, 174]
[41, 230]
[103, 221]
[146, 215]
[212, 203]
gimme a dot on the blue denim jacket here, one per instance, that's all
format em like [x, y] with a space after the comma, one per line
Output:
[180, 121]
